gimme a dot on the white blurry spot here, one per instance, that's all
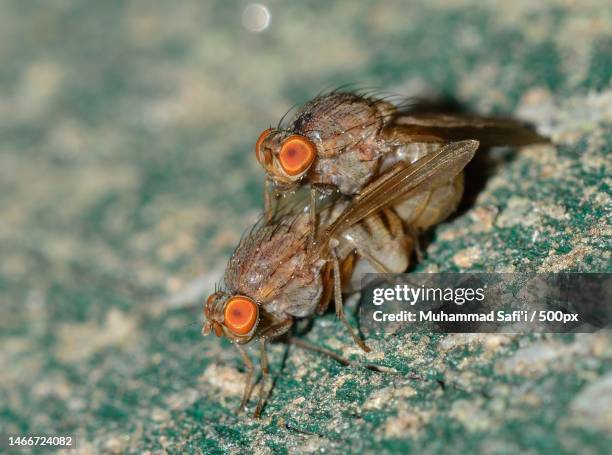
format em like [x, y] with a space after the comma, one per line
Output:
[256, 17]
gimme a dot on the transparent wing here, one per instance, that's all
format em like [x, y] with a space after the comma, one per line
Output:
[489, 131]
[454, 120]
[400, 181]
[297, 202]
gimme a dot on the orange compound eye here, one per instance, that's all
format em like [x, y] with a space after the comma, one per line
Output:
[262, 137]
[240, 315]
[296, 155]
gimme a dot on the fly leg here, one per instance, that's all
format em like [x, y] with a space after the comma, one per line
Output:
[271, 332]
[414, 234]
[338, 358]
[312, 209]
[305, 345]
[265, 374]
[269, 195]
[440, 203]
[338, 302]
[248, 386]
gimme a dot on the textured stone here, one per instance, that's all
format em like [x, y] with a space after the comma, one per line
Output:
[127, 177]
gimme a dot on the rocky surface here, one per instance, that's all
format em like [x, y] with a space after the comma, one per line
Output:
[127, 177]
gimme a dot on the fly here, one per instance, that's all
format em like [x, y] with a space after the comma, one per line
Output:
[343, 141]
[277, 275]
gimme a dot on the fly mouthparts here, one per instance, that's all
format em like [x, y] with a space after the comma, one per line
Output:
[206, 329]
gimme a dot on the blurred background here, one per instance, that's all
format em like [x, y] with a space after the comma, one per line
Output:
[127, 176]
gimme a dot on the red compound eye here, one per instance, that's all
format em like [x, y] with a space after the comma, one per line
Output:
[240, 315]
[297, 154]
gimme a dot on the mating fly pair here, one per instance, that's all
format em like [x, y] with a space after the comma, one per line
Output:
[391, 174]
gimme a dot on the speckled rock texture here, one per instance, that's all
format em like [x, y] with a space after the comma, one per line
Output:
[127, 177]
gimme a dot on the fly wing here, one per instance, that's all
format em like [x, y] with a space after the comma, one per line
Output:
[297, 202]
[400, 181]
[454, 120]
[489, 131]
